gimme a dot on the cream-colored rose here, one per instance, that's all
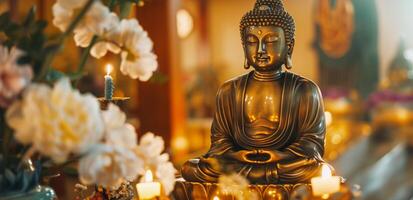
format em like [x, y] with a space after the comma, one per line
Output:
[109, 166]
[56, 121]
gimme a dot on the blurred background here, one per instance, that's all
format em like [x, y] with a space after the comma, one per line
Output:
[358, 51]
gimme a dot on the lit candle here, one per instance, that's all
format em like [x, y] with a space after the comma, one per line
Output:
[148, 189]
[108, 83]
[326, 184]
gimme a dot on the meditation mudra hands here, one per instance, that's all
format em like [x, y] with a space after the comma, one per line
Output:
[259, 156]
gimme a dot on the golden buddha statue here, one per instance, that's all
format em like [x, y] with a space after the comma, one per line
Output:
[269, 124]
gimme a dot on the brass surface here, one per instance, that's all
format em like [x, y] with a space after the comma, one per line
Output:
[208, 191]
[269, 125]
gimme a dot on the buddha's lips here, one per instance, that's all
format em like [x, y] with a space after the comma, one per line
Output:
[263, 59]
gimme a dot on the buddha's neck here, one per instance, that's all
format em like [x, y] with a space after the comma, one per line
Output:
[267, 75]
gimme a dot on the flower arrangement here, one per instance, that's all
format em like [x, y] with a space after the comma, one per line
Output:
[44, 118]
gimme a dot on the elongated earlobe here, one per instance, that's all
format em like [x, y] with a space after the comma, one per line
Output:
[246, 65]
[288, 62]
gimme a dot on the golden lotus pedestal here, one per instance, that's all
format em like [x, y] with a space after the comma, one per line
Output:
[210, 191]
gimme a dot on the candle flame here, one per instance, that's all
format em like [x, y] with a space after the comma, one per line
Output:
[148, 176]
[326, 171]
[108, 69]
[216, 198]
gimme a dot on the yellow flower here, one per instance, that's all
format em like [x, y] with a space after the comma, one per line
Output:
[56, 121]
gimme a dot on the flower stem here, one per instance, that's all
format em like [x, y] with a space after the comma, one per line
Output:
[85, 55]
[46, 64]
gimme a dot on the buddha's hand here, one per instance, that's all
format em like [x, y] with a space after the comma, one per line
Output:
[269, 156]
[246, 156]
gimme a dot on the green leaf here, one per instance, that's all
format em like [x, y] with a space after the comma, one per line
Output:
[30, 17]
[4, 20]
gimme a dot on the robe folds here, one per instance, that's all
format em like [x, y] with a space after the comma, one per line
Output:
[300, 133]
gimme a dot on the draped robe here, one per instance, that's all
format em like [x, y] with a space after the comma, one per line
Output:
[300, 133]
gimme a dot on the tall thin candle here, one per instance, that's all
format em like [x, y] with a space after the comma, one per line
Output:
[109, 87]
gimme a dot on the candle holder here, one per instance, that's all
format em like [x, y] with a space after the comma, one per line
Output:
[119, 101]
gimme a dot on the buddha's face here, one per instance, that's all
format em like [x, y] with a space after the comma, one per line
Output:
[265, 47]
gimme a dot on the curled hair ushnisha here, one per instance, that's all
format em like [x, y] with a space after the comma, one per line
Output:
[270, 13]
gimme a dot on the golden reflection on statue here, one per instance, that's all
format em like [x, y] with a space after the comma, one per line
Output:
[269, 124]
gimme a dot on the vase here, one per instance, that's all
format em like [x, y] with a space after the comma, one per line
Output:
[38, 193]
[21, 180]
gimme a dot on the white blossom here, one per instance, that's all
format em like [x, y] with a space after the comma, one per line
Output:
[97, 21]
[109, 166]
[150, 150]
[165, 173]
[142, 67]
[114, 161]
[13, 77]
[117, 132]
[57, 121]
[138, 61]
[117, 36]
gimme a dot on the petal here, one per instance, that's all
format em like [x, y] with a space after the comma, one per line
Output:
[99, 50]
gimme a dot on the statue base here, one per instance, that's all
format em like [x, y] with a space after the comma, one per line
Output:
[210, 191]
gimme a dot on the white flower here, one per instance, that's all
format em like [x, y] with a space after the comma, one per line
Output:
[97, 21]
[113, 162]
[117, 132]
[57, 121]
[13, 77]
[150, 150]
[138, 61]
[235, 185]
[117, 36]
[62, 17]
[165, 173]
[109, 166]
[142, 67]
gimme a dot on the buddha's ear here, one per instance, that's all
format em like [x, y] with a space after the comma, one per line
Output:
[246, 64]
[288, 62]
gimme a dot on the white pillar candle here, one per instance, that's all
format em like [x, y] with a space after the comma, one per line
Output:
[326, 184]
[148, 189]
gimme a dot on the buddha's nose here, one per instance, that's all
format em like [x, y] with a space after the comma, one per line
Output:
[262, 49]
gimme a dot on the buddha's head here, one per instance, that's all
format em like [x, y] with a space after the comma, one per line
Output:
[268, 34]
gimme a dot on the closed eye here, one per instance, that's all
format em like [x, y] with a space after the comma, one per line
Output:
[252, 39]
[272, 39]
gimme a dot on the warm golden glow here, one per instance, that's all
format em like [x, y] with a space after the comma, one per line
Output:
[108, 69]
[185, 23]
[180, 143]
[329, 118]
[148, 176]
[326, 171]
[216, 198]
